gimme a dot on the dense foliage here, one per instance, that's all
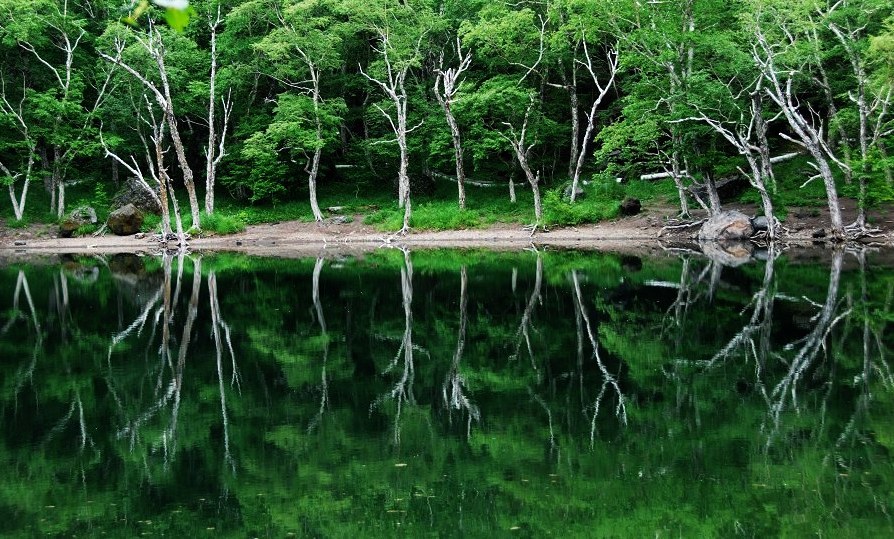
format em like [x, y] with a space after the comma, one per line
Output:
[262, 100]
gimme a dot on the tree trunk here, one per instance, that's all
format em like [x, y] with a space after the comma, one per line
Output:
[315, 162]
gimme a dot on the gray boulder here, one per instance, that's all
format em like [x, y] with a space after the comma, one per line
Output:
[725, 226]
[79, 217]
[125, 221]
[134, 193]
[760, 223]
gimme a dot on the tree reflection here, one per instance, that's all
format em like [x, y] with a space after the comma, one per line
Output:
[608, 379]
[453, 389]
[402, 390]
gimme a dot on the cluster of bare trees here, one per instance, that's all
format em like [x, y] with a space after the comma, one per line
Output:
[162, 186]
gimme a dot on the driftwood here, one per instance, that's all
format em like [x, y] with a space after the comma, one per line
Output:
[685, 173]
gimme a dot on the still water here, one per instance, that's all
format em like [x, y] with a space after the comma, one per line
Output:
[446, 393]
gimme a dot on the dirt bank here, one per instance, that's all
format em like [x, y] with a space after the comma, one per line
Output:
[642, 233]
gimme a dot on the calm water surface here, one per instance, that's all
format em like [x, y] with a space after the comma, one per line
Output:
[446, 394]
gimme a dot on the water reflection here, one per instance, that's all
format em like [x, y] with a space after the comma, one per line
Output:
[535, 390]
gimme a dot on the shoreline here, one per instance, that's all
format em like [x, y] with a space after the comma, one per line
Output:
[642, 235]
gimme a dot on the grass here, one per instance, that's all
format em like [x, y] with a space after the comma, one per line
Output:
[438, 209]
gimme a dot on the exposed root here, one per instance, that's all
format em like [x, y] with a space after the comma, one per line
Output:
[688, 224]
[858, 230]
[532, 228]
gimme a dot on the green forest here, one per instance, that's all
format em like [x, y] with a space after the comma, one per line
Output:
[426, 114]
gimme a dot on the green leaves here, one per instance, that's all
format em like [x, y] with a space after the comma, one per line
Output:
[177, 12]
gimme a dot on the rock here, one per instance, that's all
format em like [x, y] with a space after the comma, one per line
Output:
[630, 206]
[79, 217]
[760, 223]
[726, 225]
[134, 193]
[579, 193]
[125, 221]
[68, 226]
[85, 214]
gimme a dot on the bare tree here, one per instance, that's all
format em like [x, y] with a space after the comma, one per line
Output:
[393, 85]
[215, 150]
[748, 135]
[602, 91]
[153, 45]
[808, 130]
[446, 86]
[522, 151]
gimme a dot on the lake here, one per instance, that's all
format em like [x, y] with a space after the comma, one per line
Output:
[447, 393]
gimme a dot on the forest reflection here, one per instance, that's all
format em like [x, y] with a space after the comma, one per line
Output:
[513, 387]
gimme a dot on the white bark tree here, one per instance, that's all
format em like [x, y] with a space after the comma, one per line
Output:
[28, 147]
[871, 103]
[153, 45]
[215, 151]
[393, 85]
[447, 84]
[808, 130]
[522, 150]
[54, 49]
[748, 135]
[601, 91]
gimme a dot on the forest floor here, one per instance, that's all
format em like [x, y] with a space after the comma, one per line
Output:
[643, 233]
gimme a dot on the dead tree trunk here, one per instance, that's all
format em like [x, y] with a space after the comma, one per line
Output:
[393, 87]
[215, 150]
[153, 45]
[446, 86]
[779, 89]
[591, 117]
[522, 150]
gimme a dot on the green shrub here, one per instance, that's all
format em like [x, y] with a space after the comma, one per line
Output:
[22, 223]
[151, 223]
[220, 223]
[558, 211]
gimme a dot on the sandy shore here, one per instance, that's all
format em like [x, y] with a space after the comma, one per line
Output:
[643, 234]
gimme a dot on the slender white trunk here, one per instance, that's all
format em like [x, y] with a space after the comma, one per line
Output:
[591, 117]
